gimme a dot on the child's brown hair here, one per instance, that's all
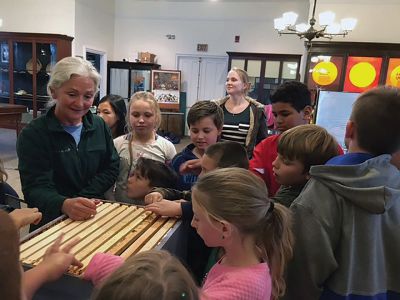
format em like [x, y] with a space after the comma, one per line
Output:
[206, 108]
[150, 275]
[240, 198]
[228, 154]
[310, 144]
[376, 116]
[158, 173]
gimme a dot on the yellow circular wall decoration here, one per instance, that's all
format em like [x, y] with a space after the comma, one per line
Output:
[395, 77]
[362, 74]
[324, 73]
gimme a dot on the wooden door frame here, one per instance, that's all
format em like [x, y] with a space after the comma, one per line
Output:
[103, 67]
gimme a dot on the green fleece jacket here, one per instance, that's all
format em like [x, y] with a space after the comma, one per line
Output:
[53, 168]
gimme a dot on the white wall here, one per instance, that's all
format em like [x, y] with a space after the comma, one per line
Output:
[44, 16]
[378, 21]
[94, 26]
[142, 26]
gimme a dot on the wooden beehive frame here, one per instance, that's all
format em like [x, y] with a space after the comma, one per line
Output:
[117, 228]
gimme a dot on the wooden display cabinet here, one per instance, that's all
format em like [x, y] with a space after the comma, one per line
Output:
[26, 60]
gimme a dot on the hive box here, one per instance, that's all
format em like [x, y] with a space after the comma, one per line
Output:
[117, 228]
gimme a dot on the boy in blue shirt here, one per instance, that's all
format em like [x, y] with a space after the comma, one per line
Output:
[205, 120]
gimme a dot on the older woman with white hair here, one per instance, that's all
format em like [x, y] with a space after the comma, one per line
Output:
[67, 158]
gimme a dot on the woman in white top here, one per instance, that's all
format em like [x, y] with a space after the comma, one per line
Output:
[143, 119]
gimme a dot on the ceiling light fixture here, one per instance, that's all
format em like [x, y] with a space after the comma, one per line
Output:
[327, 27]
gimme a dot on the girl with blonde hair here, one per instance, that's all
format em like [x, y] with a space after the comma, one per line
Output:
[143, 119]
[232, 211]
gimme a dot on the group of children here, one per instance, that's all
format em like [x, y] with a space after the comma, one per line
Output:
[330, 204]
[344, 210]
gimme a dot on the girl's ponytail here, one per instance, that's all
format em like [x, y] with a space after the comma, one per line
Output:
[276, 239]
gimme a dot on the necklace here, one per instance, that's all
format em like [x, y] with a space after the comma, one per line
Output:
[238, 107]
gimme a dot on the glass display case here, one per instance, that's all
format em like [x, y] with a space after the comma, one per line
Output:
[125, 78]
[4, 69]
[26, 60]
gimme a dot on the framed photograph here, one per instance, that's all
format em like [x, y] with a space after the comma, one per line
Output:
[166, 86]
[393, 73]
[4, 53]
[362, 73]
[325, 72]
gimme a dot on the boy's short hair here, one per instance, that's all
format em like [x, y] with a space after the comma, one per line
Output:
[293, 92]
[158, 173]
[206, 108]
[376, 116]
[228, 154]
[310, 144]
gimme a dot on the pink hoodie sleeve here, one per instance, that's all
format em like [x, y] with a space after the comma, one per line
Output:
[269, 115]
[101, 266]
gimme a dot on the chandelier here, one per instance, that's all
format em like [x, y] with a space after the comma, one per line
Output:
[327, 27]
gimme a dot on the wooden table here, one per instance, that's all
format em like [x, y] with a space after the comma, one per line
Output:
[10, 116]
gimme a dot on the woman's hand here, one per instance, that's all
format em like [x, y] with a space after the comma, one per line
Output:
[79, 208]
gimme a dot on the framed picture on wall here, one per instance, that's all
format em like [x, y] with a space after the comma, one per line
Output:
[325, 72]
[166, 86]
[393, 73]
[362, 73]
